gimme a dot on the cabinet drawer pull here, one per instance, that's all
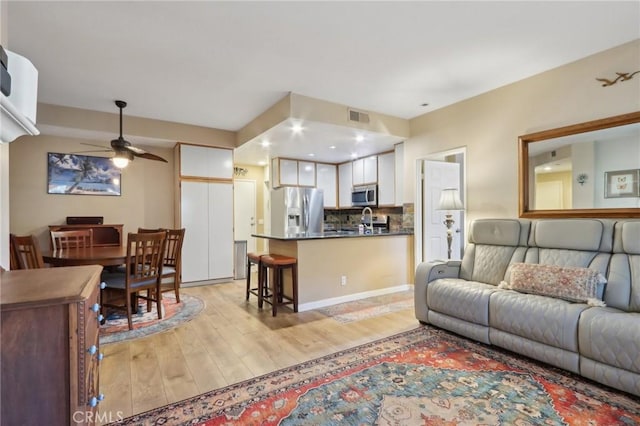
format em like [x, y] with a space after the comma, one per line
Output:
[93, 401]
[100, 318]
[100, 356]
[92, 350]
[101, 397]
[103, 285]
[95, 307]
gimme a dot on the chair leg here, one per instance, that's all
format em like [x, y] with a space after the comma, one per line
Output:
[159, 301]
[128, 303]
[176, 285]
[294, 284]
[249, 277]
[275, 285]
[149, 296]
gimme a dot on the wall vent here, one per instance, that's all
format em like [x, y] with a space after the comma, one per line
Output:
[360, 117]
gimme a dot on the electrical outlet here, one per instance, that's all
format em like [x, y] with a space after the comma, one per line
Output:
[343, 280]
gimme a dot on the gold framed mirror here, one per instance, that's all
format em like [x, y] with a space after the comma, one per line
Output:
[584, 170]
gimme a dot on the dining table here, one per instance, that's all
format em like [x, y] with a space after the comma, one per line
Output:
[105, 256]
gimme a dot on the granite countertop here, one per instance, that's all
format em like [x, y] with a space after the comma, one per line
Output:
[331, 235]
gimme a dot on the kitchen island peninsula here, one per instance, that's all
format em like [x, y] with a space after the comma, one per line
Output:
[337, 267]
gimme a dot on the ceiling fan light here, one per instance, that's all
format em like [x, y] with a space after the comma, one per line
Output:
[120, 162]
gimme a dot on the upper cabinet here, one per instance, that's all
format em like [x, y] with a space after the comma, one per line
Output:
[386, 179]
[292, 172]
[365, 170]
[206, 162]
[327, 181]
[345, 176]
[18, 110]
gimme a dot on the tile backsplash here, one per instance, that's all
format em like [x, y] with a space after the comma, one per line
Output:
[400, 218]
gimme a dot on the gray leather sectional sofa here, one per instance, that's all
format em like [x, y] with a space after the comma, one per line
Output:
[600, 343]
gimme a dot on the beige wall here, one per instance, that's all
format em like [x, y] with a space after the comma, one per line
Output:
[146, 200]
[256, 174]
[489, 124]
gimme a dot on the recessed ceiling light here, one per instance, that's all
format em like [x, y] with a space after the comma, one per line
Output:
[332, 147]
[547, 168]
[354, 155]
[265, 143]
[296, 128]
[312, 155]
[359, 138]
[262, 163]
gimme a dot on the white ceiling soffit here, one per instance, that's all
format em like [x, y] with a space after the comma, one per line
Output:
[220, 64]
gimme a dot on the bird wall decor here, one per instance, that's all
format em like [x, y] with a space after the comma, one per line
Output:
[622, 76]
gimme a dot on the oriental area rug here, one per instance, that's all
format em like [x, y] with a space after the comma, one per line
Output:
[424, 376]
[116, 328]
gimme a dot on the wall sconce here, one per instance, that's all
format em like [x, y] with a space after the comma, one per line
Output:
[582, 178]
[239, 171]
[449, 201]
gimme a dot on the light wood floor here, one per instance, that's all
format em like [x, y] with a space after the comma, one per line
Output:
[230, 341]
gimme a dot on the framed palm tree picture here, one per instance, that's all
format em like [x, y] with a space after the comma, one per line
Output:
[82, 175]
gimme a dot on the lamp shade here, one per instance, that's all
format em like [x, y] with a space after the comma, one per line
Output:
[450, 200]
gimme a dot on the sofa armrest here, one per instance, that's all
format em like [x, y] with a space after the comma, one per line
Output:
[425, 273]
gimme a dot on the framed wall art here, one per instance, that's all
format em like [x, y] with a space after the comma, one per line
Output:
[82, 175]
[621, 183]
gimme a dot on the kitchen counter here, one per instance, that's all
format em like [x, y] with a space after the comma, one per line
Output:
[337, 267]
[330, 235]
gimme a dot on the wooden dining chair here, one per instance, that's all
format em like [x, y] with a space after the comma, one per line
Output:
[172, 263]
[26, 252]
[143, 271]
[72, 239]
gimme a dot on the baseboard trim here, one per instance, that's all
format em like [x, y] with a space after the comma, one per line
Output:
[351, 297]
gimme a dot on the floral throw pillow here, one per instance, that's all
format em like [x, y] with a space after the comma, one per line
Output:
[568, 283]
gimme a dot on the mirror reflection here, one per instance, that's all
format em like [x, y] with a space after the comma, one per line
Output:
[588, 170]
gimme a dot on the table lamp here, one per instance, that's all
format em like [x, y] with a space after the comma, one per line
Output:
[449, 201]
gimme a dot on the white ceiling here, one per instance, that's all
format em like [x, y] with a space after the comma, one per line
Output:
[220, 64]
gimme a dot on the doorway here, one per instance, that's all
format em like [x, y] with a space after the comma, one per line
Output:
[244, 212]
[433, 174]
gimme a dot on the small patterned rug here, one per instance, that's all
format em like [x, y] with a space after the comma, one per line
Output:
[116, 328]
[370, 307]
[424, 376]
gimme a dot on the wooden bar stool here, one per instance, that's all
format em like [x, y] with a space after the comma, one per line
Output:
[279, 263]
[261, 290]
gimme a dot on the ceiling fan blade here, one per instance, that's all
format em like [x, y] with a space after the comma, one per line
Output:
[149, 156]
[90, 144]
[93, 150]
[135, 149]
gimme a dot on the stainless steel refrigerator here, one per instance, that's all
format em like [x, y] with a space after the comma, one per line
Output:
[296, 211]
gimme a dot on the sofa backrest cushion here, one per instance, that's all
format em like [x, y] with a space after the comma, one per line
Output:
[584, 243]
[623, 286]
[493, 245]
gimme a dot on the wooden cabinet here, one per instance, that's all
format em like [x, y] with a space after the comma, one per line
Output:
[327, 181]
[50, 348]
[365, 170]
[386, 179]
[345, 176]
[205, 210]
[103, 235]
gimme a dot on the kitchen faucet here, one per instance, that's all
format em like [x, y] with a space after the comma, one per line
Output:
[370, 226]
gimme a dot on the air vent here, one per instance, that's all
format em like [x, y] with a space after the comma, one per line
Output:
[360, 117]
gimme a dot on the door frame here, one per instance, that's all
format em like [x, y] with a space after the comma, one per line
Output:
[255, 209]
[418, 228]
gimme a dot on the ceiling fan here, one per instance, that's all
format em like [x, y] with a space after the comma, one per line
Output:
[124, 151]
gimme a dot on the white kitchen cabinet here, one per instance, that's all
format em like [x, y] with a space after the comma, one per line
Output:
[399, 174]
[345, 183]
[207, 162]
[327, 181]
[206, 212]
[365, 171]
[386, 179]
[307, 173]
[288, 172]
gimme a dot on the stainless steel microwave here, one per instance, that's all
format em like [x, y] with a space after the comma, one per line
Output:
[364, 195]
